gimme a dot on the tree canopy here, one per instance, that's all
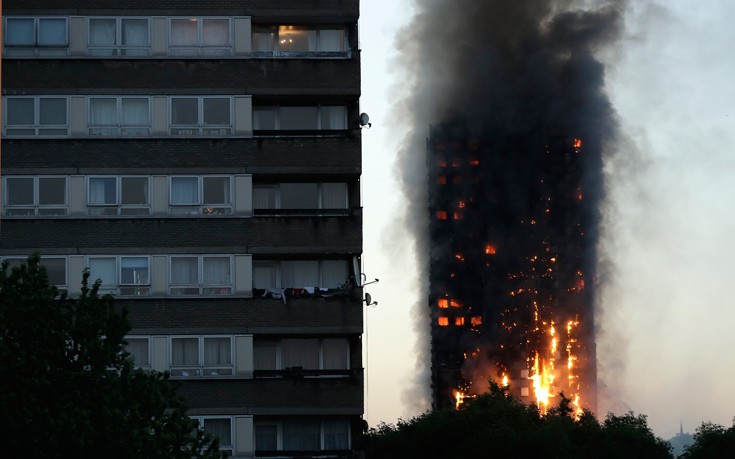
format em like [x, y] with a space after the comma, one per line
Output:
[68, 387]
[711, 441]
[497, 425]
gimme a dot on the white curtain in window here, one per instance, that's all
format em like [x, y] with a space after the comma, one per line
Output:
[102, 32]
[263, 40]
[185, 32]
[336, 434]
[264, 197]
[264, 276]
[135, 112]
[184, 190]
[334, 272]
[217, 351]
[20, 32]
[299, 274]
[103, 111]
[300, 353]
[184, 271]
[138, 349]
[134, 32]
[103, 190]
[219, 428]
[265, 356]
[301, 435]
[335, 354]
[331, 40]
[104, 269]
[333, 117]
[216, 32]
[217, 270]
[334, 195]
[185, 351]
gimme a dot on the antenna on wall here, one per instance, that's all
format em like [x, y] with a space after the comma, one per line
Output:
[365, 120]
[369, 300]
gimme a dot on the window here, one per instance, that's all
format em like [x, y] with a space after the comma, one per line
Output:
[198, 36]
[303, 354]
[36, 36]
[196, 116]
[119, 116]
[139, 349]
[201, 195]
[219, 427]
[300, 196]
[300, 274]
[121, 275]
[118, 37]
[55, 269]
[35, 196]
[299, 41]
[118, 196]
[300, 118]
[302, 434]
[201, 275]
[36, 116]
[201, 356]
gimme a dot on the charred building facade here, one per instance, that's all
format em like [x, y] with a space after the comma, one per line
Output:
[203, 160]
[512, 235]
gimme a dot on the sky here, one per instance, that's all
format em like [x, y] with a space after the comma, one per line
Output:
[666, 312]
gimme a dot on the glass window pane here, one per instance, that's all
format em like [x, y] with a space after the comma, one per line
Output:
[334, 195]
[184, 190]
[135, 112]
[296, 38]
[299, 274]
[134, 270]
[298, 118]
[264, 119]
[102, 32]
[104, 269]
[52, 32]
[216, 111]
[332, 40]
[301, 435]
[20, 191]
[216, 190]
[333, 117]
[103, 190]
[336, 434]
[217, 270]
[185, 351]
[102, 111]
[134, 190]
[263, 38]
[300, 353]
[217, 351]
[184, 111]
[52, 191]
[264, 276]
[219, 428]
[138, 349]
[56, 270]
[134, 32]
[20, 111]
[215, 32]
[334, 272]
[184, 271]
[20, 32]
[335, 354]
[185, 32]
[52, 111]
[299, 196]
[266, 437]
[265, 356]
[264, 197]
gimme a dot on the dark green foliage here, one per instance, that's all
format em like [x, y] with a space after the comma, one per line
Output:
[496, 425]
[712, 441]
[68, 388]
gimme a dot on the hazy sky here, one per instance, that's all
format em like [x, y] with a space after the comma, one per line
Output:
[667, 312]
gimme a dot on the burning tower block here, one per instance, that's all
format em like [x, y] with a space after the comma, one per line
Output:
[513, 230]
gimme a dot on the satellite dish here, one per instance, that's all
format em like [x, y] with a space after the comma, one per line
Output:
[368, 298]
[365, 120]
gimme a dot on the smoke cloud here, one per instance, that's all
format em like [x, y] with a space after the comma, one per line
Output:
[513, 74]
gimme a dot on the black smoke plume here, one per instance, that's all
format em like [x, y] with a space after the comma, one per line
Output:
[502, 93]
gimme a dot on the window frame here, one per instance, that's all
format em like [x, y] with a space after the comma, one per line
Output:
[121, 288]
[201, 128]
[200, 50]
[202, 208]
[63, 288]
[230, 448]
[118, 206]
[203, 289]
[36, 126]
[201, 369]
[278, 278]
[118, 48]
[120, 128]
[278, 205]
[279, 424]
[321, 372]
[276, 109]
[147, 339]
[276, 52]
[36, 49]
[36, 207]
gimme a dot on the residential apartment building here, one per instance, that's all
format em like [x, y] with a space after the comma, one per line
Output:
[203, 160]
